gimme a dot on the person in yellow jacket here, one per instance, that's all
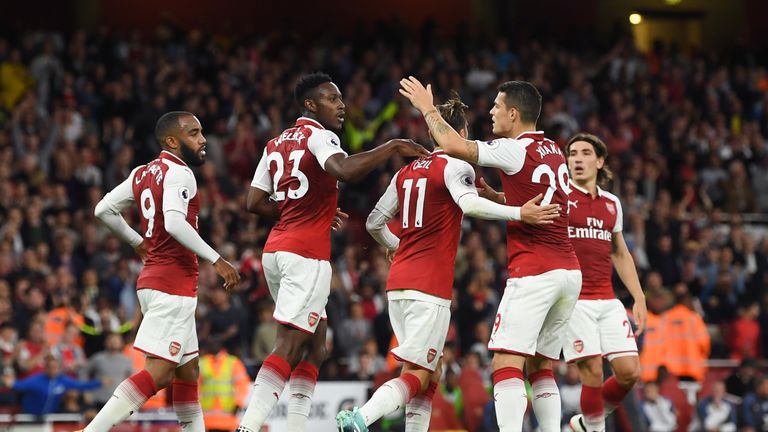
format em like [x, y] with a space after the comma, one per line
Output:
[687, 340]
[224, 387]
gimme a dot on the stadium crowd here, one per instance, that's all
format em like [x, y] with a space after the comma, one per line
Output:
[687, 139]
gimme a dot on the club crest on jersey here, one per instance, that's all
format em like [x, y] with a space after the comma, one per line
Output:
[312, 319]
[578, 345]
[611, 208]
[174, 348]
[431, 355]
[184, 194]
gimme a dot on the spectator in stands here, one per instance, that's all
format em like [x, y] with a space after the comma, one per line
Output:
[112, 364]
[658, 410]
[688, 341]
[42, 391]
[222, 321]
[264, 337]
[354, 331]
[716, 414]
[742, 380]
[744, 334]
[755, 408]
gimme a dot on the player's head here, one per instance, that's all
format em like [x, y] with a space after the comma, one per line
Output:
[180, 133]
[518, 103]
[454, 113]
[319, 98]
[586, 155]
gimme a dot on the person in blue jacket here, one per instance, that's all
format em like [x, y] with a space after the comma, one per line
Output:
[42, 392]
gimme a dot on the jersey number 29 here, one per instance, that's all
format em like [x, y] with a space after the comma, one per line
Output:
[544, 170]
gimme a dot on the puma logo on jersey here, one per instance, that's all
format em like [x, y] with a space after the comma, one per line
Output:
[575, 204]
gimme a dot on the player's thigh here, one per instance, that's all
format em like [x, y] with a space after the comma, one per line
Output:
[168, 323]
[582, 332]
[553, 332]
[423, 327]
[616, 335]
[305, 284]
[520, 317]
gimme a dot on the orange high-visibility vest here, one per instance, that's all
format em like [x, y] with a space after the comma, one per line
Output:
[652, 353]
[688, 344]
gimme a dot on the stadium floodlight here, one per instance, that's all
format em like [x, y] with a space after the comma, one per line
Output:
[635, 18]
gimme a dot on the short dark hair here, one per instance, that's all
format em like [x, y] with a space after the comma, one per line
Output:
[604, 174]
[168, 122]
[524, 97]
[306, 84]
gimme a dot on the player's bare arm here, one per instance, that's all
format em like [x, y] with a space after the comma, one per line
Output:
[353, 168]
[625, 267]
[444, 135]
[258, 202]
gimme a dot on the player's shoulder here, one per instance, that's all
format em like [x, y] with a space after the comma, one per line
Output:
[610, 197]
[452, 163]
[320, 135]
[177, 173]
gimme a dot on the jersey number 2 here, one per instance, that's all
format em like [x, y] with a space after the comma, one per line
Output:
[421, 185]
[562, 179]
[295, 157]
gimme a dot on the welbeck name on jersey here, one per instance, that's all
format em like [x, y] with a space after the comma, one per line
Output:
[589, 233]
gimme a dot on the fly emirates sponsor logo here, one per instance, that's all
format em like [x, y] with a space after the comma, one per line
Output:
[594, 230]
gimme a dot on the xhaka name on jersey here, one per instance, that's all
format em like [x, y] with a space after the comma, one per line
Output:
[594, 230]
[548, 148]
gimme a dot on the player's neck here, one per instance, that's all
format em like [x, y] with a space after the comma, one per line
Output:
[588, 185]
[519, 129]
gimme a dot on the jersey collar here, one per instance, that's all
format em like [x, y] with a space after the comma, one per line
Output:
[534, 135]
[306, 121]
[165, 154]
[584, 191]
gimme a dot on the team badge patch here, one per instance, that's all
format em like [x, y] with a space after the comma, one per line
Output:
[578, 345]
[312, 319]
[611, 208]
[431, 355]
[174, 348]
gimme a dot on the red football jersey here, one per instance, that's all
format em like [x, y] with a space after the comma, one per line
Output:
[530, 165]
[427, 191]
[163, 184]
[592, 224]
[292, 170]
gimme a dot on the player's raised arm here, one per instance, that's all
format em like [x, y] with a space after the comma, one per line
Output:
[444, 135]
[354, 168]
[109, 208]
[383, 212]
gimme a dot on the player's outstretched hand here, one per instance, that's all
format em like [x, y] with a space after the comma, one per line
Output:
[489, 193]
[640, 314]
[409, 148]
[533, 213]
[420, 96]
[141, 251]
[228, 273]
[339, 219]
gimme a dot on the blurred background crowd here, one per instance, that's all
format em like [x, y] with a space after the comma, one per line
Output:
[686, 132]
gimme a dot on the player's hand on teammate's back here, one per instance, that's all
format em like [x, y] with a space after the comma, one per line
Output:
[421, 97]
[533, 213]
[141, 250]
[489, 193]
[228, 273]
[339, 219]
[640, 314]
[409, 148]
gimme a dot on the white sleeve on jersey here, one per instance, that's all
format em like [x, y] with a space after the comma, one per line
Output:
[179, 187]
[383, 212]
[460, 181]
[109, 208]
[261, 178]
[619, 227]
[324, 144]
[505, 154]
[177, 226]
[459, 178]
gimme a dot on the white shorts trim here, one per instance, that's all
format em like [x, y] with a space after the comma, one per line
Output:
[599, 328]
[300, 287]
[533, 313]
[168, 329]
